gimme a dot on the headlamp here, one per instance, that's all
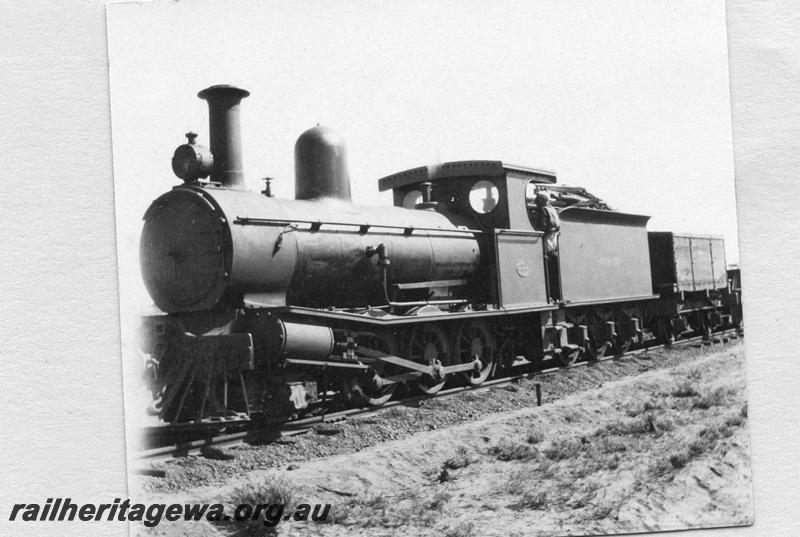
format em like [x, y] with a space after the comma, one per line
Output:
[192, 161]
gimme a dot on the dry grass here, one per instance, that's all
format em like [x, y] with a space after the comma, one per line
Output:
[563, 447]
[513, 451]
[465, 528]
[535, 437]
[353, 510]
[637, 407]
[685, 389]
[531, 500]
[606, 508]
[461, 458]
[519, 480]
[413, 506]
[272, 490]
[706, 440]
[438, 501]
[719, 396]
[644, 424]
[387, 510]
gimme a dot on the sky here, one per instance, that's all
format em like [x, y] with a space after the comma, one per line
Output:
[629, 99]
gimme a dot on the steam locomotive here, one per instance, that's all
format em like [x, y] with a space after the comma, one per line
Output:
[271, 306]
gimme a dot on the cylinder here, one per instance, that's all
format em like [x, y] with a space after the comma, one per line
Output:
[299, 341]
[321, 165]
[225, 134]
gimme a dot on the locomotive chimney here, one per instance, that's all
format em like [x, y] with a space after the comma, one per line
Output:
[225, 134]
[320, 164]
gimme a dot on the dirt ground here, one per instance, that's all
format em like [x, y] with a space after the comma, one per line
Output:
[665, 449]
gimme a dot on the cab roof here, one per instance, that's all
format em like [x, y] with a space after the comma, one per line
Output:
[463, 168]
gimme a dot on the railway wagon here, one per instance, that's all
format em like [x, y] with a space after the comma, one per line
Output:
[690, 274]
[273, 306]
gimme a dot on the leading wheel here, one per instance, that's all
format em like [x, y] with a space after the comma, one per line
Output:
[428, 345]
[364, 385]
[475, 342]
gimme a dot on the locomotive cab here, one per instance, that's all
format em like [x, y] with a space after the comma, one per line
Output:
[480, 194]
[489, 197]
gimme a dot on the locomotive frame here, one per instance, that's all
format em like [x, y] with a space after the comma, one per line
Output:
[444, 286]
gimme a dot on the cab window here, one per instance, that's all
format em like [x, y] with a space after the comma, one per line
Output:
[483, 196]
[411, 199]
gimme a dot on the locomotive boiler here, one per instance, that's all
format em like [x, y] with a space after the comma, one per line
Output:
[272, 305]
[206, 246]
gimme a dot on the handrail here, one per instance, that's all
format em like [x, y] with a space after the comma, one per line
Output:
[363, 228]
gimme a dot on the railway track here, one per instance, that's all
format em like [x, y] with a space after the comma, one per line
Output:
[211, 446]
